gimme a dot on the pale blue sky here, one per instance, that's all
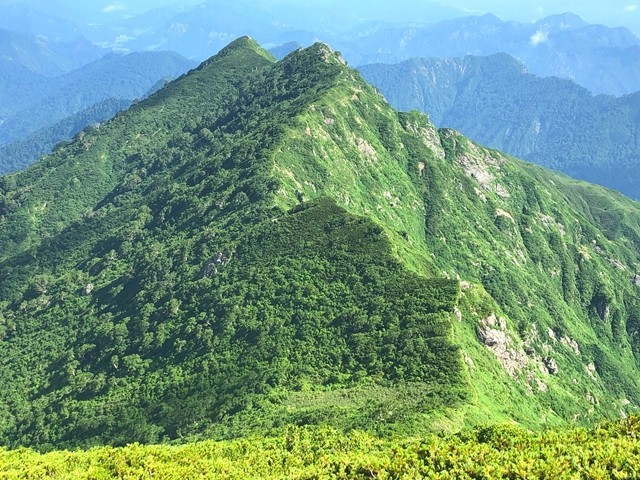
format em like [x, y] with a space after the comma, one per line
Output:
[610, 12]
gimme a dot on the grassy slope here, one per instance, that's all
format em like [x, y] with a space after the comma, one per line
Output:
[540, 244]
[558, 264]
[549, 121]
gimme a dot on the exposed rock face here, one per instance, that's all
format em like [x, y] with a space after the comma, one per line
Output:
[220, 260]
[430, 138]
[572, 344]
[519, 358]
[551, 365]
[636, 280]
[481, 167]
[492, 332]
[492, 337]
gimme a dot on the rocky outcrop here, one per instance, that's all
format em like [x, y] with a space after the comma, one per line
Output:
[492, 332]
[569, 343]
[217, 262]
[551, 365]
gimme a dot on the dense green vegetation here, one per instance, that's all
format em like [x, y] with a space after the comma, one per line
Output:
[268, 243]
[313, 296]
[549, 121]
[503, 451]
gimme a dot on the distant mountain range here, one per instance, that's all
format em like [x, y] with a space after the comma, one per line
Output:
[46, 57]
[49, 110]
[602, 59]
[550, 121]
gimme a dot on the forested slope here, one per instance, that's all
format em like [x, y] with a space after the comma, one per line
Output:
[268, 243]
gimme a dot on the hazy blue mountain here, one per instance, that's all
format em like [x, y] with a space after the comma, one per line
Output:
[46, 57]
[602, 59]
[18, 85]
[120, 79]
[30, 18]
[198, 31]
[23, 152]
[285, 49]
[65, 20]
[550, 121]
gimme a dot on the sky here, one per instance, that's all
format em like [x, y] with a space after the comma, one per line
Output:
[610, 12]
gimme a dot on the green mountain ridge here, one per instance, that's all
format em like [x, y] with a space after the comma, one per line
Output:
[552, 122]
[266, 243]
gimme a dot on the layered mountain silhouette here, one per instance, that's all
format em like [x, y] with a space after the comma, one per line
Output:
[39, 112]
[602, 59]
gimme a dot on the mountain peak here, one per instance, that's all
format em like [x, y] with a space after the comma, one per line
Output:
[322, 51]
[563, 22]
[241, 44]
[491, 19]
[506, 61]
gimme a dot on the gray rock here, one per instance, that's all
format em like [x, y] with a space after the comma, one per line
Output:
[551, 364]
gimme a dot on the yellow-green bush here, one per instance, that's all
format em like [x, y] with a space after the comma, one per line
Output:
[608, 451]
